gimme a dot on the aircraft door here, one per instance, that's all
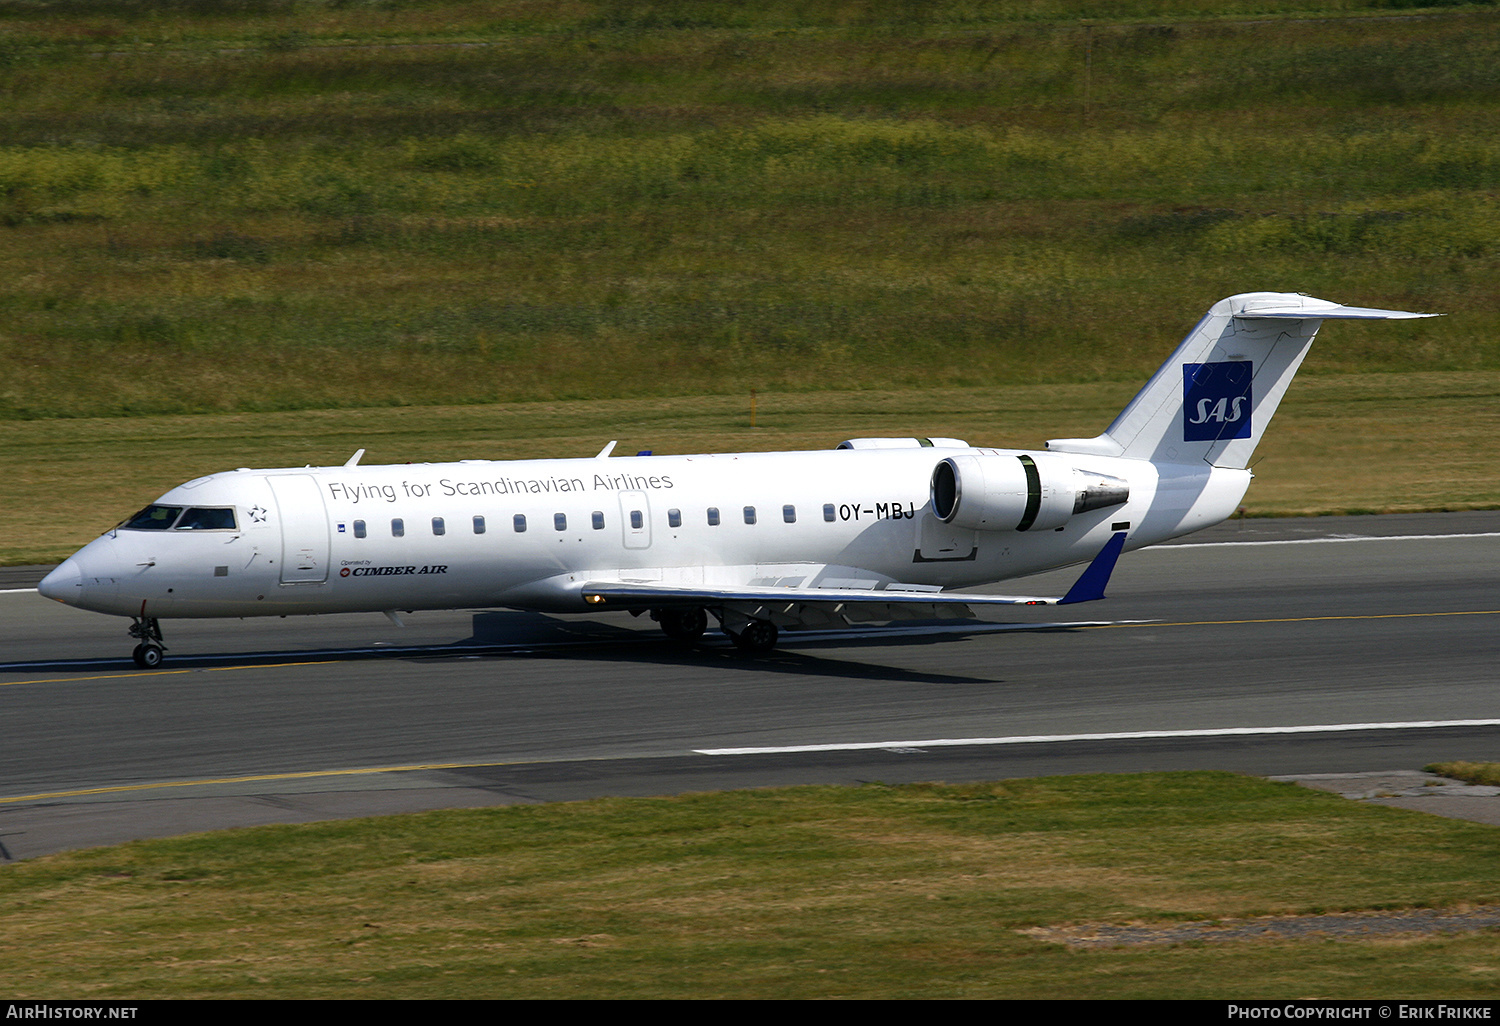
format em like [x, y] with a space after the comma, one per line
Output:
[635, 518]
[938, 542]
[304, 528]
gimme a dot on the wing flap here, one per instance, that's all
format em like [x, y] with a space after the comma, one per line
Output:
[639, 595]
[810, 607]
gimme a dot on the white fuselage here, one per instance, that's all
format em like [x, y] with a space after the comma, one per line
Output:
[529, 534]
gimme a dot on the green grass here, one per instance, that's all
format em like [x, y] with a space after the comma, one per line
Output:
[262, 207]
[876, 891]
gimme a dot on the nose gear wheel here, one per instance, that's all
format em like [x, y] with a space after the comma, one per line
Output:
[150, 652]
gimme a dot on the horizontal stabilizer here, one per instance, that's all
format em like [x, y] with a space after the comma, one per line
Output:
[1331, 312]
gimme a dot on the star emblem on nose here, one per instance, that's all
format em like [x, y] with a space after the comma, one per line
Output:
[257, 514]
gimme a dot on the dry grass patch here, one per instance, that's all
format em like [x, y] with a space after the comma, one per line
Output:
[1471, 772]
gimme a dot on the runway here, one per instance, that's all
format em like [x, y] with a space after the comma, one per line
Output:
[1381, 632]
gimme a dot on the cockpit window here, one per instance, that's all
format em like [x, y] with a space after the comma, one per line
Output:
[153, 518]
[207, 518]
[198, 518]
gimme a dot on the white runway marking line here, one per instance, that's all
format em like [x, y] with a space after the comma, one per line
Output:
[15, 591]
[1318, 541]
[1134, 735]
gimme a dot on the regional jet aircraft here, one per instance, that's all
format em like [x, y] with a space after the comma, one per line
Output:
[878, 529]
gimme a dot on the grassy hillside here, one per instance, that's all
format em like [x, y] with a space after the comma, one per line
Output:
[274, 206]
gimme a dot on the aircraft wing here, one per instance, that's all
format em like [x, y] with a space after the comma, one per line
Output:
[816, 607]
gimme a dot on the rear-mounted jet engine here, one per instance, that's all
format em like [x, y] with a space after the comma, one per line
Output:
[1018, 493]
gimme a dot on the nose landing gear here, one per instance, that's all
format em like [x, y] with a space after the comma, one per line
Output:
[149, 653]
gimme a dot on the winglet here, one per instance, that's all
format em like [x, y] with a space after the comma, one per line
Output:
[1090, 584]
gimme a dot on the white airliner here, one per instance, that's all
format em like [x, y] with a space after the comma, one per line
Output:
[875, 530]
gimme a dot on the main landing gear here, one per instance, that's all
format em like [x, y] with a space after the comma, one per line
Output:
[687, 624]
[148, 654]
[756, 638]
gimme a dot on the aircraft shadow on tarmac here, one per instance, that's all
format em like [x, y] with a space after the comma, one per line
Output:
[621, 645]
[513, 633]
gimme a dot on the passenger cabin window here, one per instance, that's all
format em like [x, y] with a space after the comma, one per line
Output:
[598, 520]
[520, 523]
[637, 520]
[479, 525]
[207, 519]
[560, 521]
[438, 527]
[713, 516]
[789, 514]
[359, 529]
[153, 518]
[828, 512]
[674, 518]
[398, 528]
[749, 514]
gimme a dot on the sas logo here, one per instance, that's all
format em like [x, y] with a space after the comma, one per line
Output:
[1216, 400]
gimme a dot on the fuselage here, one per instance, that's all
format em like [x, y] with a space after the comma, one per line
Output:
[529, 534]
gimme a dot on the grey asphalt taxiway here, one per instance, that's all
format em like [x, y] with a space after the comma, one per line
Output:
[1323, 646]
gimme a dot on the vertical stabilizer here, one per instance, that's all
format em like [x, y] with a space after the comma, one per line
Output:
[1212, 399]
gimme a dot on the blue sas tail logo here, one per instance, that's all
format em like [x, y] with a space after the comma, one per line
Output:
[1216, 400]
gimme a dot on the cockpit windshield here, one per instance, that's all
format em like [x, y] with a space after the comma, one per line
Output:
[207, 518]
[153, 518]
[196, 518]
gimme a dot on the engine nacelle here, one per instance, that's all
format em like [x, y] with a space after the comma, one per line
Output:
[1018, 493]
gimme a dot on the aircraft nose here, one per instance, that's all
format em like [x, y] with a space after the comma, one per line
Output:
[64, 584]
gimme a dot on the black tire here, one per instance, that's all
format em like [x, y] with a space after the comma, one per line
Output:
[685, 625]
[147, 657]
[758, 638]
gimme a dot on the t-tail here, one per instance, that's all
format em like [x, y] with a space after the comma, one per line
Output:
[1211, 401]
